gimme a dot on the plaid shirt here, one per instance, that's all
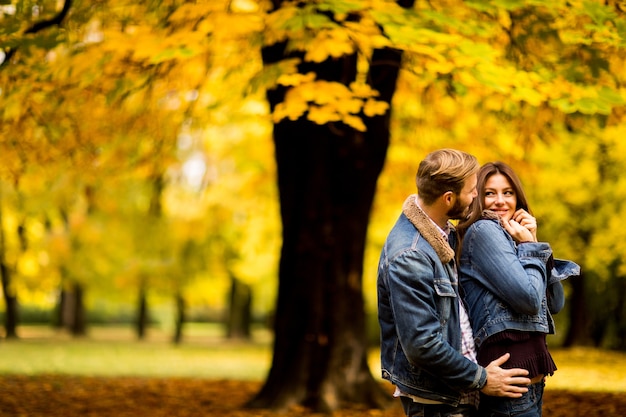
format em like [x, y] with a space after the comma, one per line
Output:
[469, 351]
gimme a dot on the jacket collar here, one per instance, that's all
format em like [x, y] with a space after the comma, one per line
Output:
[428, 229]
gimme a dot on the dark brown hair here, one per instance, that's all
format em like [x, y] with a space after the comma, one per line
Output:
[478, 205]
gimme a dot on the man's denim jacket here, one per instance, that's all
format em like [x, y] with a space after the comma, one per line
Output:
[509, 286]
[418, 311]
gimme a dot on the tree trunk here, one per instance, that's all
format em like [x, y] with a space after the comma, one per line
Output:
[577, 333]
[240, 305]
[59, 316]
[326, 179]
[10, 303]
[180, 318]
[10, 298]
[79, 323]
[619, 314]
[71, 310]
[142, 313]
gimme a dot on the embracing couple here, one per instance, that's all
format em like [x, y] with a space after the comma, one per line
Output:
[464, 311]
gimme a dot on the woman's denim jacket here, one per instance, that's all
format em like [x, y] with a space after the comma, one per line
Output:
[509, 286]
[418, 311]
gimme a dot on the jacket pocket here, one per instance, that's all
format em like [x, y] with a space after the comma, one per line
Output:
[446, 296]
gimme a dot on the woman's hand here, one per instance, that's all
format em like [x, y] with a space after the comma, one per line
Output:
[522, 227]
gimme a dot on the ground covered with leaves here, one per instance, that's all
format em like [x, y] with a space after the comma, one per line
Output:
[72, 396]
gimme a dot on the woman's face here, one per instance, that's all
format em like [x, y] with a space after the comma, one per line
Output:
[500, 196]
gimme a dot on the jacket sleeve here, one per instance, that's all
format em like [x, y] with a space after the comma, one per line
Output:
[516, 275]
[413, 296]
[560, 269]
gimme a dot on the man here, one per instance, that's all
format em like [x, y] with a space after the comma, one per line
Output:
[427, 347]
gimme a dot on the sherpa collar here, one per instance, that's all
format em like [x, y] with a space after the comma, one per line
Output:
[428, 229]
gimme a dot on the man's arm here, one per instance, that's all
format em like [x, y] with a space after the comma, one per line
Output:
[505, 382]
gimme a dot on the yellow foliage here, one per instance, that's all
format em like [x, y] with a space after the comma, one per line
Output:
[362, 90]
[323, 114]
[274, 31]
[435, 52]
[327, 44]
[28, 264]
[367, 34]
[322, 92]
[529, 95]
[355, 122]
[111, 102]
[374, 108]
[293, 107]
[328, 102]
[293, 79]
[439, 66]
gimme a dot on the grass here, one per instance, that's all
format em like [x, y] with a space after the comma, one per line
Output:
[117, 352]
[204, 353]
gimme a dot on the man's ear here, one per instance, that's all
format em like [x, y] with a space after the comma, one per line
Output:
[448, 198]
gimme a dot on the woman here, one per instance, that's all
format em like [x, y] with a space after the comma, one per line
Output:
[511, 284]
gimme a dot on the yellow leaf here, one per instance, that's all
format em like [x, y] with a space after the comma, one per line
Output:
[375, 108]
[293, 107]
[363, 90]
[355, 122]
[329, 44]
[274, 31]
[528, 95]
[350, 106]
[323, 114]
[322, 92]
[367, 34]
[295, 79]
[441, 66]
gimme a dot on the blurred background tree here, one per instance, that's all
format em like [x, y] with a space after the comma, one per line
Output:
[138, 167]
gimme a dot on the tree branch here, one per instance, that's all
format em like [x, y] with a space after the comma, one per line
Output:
[39, 26]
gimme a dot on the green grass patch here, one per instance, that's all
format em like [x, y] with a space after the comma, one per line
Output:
[206, 353]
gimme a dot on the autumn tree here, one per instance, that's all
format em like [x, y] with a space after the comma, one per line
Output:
[338, 63]
[328, 158]
[105, 92]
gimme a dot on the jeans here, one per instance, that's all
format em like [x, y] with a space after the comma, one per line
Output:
[529, 405]
[414, 409]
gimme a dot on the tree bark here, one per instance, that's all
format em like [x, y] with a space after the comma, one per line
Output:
[71, 314]
[619, 314]
[142, 313]
[181, 310]
[10, 298]
[56, 20]
[577, 333]
[10, 303]
[327, 177]
[79, 323]
[240, 305]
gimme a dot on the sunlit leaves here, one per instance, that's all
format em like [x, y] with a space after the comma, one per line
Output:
[459, 40]
[589, 100]
[329, 44]
[107, 95]
[325, 102]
